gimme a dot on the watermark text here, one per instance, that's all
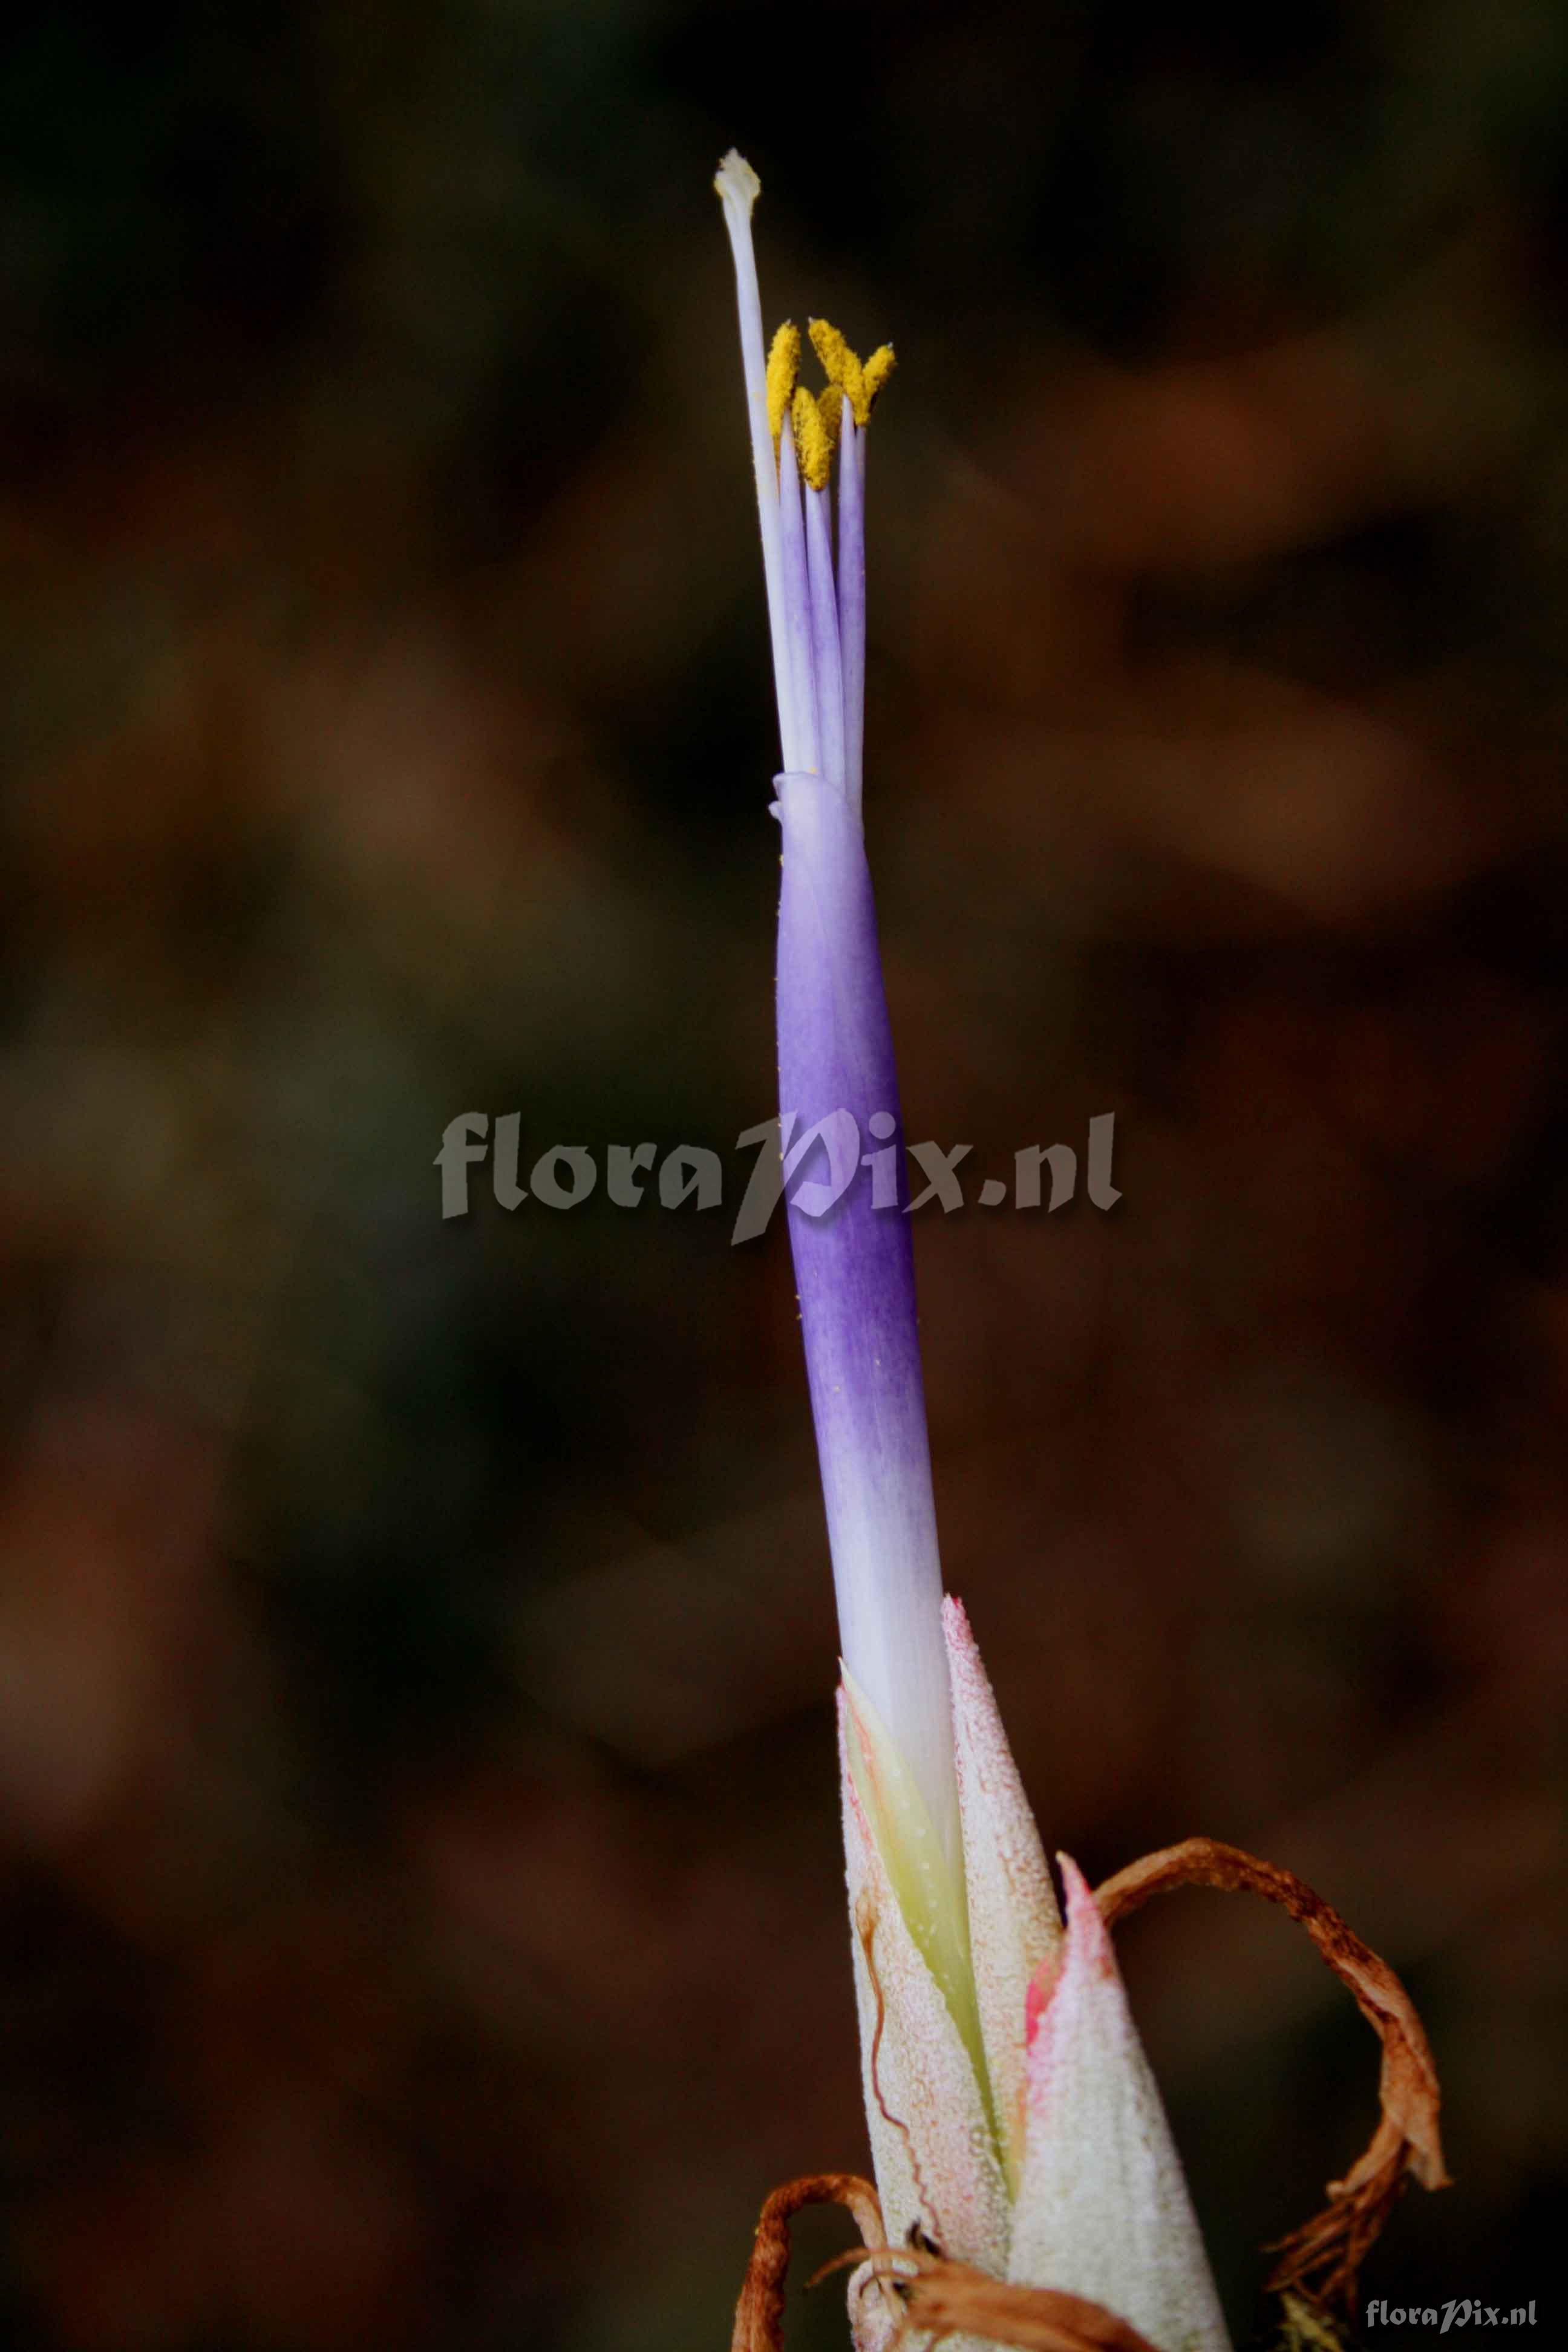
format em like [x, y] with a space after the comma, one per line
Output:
[1461, 2311]
[814, 1168]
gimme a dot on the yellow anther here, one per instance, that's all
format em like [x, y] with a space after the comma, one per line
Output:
[873, 376]
[783, 368]
[830, 407]
[839, 364]
[843, 367]
[812, 446]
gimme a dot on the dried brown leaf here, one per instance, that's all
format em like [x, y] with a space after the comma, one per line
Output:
[943, 2298]
[759, 2314]
[1323, 2258]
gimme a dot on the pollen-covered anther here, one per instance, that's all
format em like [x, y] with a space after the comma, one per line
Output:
[839, 364]
[812, 445]
[783, 372]
[873, 376]
[861, 380]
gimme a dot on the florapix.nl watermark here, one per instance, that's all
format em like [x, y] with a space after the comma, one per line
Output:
[1459, 2311]
[814, 1168]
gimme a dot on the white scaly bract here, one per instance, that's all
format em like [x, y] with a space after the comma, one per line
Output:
[1059, 2171]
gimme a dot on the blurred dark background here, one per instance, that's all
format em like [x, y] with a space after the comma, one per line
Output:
[421, 1920]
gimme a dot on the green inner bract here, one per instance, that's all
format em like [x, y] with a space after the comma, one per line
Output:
[930, 1891]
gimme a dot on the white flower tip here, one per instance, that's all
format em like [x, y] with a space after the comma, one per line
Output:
[1084, 1913]
[1102, 2209]
[737, 183]
[1087, 1948]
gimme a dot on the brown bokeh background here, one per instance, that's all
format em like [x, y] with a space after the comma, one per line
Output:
[421, 1919]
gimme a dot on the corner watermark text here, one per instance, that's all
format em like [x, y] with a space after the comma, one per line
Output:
[1461, 2311]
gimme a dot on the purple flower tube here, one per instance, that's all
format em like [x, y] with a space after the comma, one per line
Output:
[840, 1127]
[855, 1272]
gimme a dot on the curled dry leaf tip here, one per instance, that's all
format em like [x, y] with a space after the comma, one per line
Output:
[1323, 2259]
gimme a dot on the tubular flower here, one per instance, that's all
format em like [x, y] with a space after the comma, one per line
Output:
[1013, 2121]
[1022, 2154]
